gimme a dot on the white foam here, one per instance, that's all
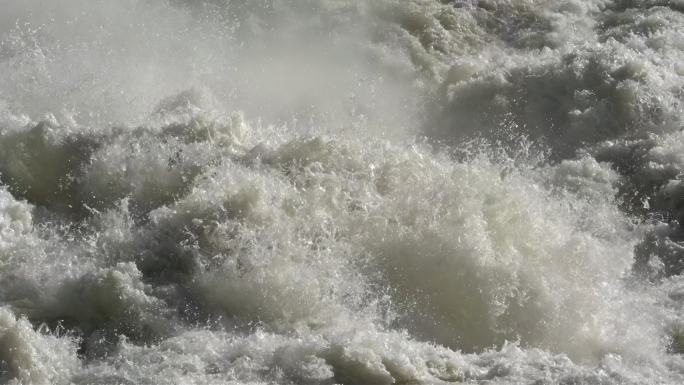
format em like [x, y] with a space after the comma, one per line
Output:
[321, 192]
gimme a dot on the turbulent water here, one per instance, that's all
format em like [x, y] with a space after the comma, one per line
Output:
[341, 192]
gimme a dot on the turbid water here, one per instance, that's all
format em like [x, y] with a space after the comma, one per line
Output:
[341, 192]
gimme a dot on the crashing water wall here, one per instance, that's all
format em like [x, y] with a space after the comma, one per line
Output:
[341, 192]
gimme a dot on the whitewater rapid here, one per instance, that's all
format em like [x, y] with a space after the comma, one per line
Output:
[341, 192]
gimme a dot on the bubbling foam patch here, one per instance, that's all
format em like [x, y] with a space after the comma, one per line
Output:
[413, 192]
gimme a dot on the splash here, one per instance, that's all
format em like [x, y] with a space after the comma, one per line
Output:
[322, 192]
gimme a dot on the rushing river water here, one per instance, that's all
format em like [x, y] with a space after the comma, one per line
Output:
[341, 192]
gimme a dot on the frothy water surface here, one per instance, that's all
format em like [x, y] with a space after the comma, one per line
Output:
[341, 192]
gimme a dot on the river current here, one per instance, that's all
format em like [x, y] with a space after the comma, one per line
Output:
[341, 192]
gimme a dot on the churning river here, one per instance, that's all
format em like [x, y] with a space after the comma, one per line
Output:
[341, 192]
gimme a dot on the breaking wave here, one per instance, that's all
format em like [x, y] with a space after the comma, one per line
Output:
[340, 191]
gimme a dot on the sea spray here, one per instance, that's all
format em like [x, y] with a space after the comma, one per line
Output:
[321, 192]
